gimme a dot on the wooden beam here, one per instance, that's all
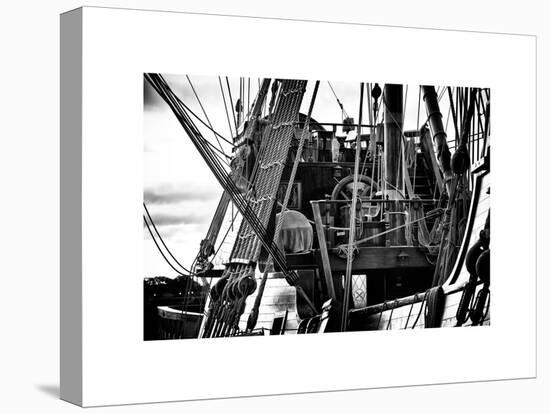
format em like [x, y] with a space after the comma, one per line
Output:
[323, 248]
[393, 162]
[409, 300]
[427, 145]
[369, 258]
[408, 184]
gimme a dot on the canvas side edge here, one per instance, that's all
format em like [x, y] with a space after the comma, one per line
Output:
[71, 355]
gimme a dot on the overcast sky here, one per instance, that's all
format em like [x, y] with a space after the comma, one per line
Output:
[179, 189]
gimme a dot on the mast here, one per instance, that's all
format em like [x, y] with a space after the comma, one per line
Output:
[353, 212]
[207, 244]
[393, 141]
[439, 135]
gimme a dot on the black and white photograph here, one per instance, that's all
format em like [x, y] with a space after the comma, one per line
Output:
[276, 206]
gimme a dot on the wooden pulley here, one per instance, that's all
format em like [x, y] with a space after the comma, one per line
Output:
[460, 161]
[464, 304]
[206, 248]
[238, 106]
[214, 295]
[232, 290]
[472, 256]
[483, 267]
[308, 297]
[247, 285]
[217, 290]
[477, 314]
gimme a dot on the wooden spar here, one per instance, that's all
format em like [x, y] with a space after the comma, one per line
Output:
[393, 127]
[253, 317]
[369, 258]
[225, 199]
[324, 252]
[409, 300]
[439, 135]
[219, 215]
[428, 147]
[353, 212]
[256, 112]
[215, 225]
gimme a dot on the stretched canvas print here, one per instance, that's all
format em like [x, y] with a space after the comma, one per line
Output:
[285, 206]
[247, 213]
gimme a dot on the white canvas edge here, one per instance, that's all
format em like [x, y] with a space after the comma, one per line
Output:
[118, 367]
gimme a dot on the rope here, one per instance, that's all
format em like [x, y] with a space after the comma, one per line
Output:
[435, 305]
[344, 113]
[160, 250]
[433, 213]
[203, 111]
[218, 135]
[410, 311]
[163, 89]
[225, 107]
[275, 143]
[353, 212]
[232, 106]
[419, 312]
[254, 313]
[162, 240]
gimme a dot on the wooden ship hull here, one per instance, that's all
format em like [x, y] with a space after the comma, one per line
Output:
[410, 312]
[389, 230]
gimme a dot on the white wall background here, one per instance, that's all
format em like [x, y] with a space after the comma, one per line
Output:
[29, 207]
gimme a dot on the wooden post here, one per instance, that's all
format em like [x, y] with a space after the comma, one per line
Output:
[435, 119]
[428, 147]
[393, 165]
[353, 213]
[323, 248]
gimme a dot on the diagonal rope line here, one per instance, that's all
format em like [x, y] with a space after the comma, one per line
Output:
[338, 100]
[204, 111]
[160, 85]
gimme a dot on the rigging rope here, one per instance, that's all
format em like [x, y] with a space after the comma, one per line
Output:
[160, 250]
[232, 107]
[238, 280]
[203, 110]
[353, 212]
[433, 213]
[160, 85]
[225, 107]
[344, 113]
[253, 317]
[218, 135]
[162, 240]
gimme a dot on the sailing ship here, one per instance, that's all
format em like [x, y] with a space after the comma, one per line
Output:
[349, 226]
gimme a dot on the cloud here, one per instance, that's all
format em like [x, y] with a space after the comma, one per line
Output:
[151, 99]
[167, 232]
[171, 219]
[167, 195]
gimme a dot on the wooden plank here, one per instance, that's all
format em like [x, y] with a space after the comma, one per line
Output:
[399, 315]
[324, 253]
[408, 184]
[376, 258]
[369, 258]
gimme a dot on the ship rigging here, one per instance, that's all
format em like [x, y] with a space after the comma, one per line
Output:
[374, 226]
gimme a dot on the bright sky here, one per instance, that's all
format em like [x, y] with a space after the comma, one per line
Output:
[180, 191]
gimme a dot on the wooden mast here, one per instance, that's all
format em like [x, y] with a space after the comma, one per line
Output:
[393, 142]
[435, 119]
